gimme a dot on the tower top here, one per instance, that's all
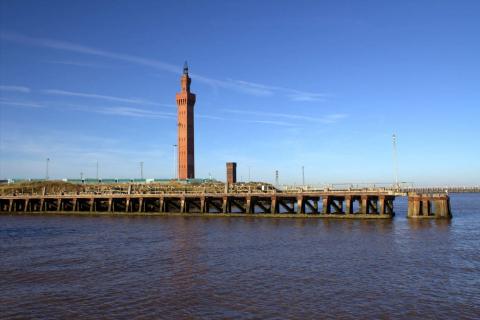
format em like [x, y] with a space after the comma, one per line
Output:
[185, 68]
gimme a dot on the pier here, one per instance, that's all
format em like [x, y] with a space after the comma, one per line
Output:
[324, 204]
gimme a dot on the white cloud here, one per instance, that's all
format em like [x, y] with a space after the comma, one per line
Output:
[330, 118]
[78, 64]
[16, 103]
[135, 112]
[246, 87]
[102, 97]
[19, 89]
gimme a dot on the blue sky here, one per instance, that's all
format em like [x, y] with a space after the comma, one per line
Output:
[279, 84]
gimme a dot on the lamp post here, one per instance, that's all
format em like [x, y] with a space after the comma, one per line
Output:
[141, 170]
[303, 176]
[46, 173]
[395, 160]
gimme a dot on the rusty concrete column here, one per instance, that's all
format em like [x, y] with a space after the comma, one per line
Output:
[274, 205]
[225, 205]
[442, 206]
[75, 203]
[326, 205]
[381, 204]
[10, 205]
[91, 203]
[364, 205]
[348, 204]
[140, 205]
[249, 204]
[413, 206]
[110, 201]
[26, 205]
[202, 204]
[59, 204]
[300, 205]
[42, 203]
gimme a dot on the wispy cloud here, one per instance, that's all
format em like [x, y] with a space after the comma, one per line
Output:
[122, 111]
[102, 97]
[20, 89]
[330, 118]
[20, 103]
[273, 122]
[295, 95]
[135, 112]
[206, 116]
[78, 64]
[246, 87]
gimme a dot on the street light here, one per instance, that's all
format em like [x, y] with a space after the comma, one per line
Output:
[395, 160]
[97, 170]
[303, 176]
[141, 170]
[46, 173]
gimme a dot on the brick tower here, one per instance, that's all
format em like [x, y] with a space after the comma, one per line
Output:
[185, 103]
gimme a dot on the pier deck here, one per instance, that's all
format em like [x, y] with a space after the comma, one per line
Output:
[327, 204]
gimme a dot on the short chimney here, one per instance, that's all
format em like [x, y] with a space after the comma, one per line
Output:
[231, 172]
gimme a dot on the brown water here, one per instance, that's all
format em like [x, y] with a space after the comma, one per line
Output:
[59, 267]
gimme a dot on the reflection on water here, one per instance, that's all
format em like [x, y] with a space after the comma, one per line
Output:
[173, 267]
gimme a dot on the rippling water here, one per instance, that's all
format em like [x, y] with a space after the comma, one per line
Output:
[176, 268]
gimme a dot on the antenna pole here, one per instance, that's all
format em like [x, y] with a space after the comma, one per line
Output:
[395, 160]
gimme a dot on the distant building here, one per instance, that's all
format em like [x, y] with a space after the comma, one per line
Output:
[186, 149]
[231, 172]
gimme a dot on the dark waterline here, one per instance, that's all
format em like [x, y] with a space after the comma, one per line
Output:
[174, 267]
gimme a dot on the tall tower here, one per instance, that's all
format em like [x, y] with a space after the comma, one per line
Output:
[185, 103]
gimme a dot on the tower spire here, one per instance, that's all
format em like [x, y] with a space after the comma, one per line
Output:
[185, 68]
